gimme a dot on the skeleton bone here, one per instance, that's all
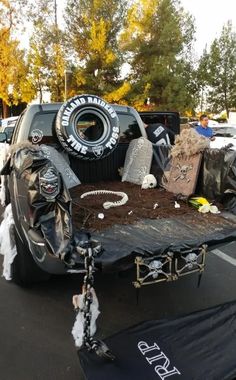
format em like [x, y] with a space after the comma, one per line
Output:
[107, 205]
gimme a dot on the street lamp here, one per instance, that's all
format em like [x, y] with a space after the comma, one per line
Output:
[67, 72]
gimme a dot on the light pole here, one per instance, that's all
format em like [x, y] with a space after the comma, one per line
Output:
[67, 72]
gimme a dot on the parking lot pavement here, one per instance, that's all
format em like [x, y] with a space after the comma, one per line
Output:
[227, 253]
[35, 324]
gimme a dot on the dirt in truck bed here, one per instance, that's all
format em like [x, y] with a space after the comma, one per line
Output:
[140, 205]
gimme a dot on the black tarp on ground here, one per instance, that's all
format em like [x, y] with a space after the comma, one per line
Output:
[198, 346]
[217, 177]
[150, 237]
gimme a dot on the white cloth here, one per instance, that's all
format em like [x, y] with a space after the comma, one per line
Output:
[78, 328]
[7, 242]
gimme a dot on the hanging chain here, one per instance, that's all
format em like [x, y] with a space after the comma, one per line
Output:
[98, 346]
[88, 283]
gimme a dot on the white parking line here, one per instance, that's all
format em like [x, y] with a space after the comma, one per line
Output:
[223, 256]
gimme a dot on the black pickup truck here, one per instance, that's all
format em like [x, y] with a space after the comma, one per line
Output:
[61, 151]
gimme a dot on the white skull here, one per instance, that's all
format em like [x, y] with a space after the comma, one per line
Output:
[149, 182]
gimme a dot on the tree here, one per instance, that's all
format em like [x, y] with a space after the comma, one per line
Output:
[217, 70]
[14, 85]
[37, 69]
[158, 41]
[202, 79]
[93, 27]
[47, 57]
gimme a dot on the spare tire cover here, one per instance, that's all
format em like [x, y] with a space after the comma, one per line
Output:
[87, 127]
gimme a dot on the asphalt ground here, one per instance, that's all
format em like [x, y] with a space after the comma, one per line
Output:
[35, 323]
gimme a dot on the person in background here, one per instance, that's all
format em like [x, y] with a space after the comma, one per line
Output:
[203, 128]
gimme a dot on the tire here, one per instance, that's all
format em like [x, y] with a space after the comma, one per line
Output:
[87, 127]
[25, 271]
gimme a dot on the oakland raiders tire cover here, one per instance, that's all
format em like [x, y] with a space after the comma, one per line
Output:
[87, 127]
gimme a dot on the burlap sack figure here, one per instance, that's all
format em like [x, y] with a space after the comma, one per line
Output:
[189, 143]
[138, 161]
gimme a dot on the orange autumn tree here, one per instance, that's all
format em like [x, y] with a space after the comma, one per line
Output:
[47, 55]
[15, 87]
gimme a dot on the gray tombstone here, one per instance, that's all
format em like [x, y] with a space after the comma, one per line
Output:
[138, 161]
[61, 164]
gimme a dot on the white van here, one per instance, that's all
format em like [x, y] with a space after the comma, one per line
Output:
[7, 125]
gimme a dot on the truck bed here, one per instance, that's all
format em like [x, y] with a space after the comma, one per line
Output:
[146, 231]
[142, 204]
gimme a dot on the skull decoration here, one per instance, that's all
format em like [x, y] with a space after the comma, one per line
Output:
[149, 182]
[183, 171]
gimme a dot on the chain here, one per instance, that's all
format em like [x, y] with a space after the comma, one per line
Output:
[99, 347]
[88, 283]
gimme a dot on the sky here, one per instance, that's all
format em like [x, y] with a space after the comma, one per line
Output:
[210, 16]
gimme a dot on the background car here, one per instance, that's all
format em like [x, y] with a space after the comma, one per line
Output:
[224, 136]
[7, 125]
